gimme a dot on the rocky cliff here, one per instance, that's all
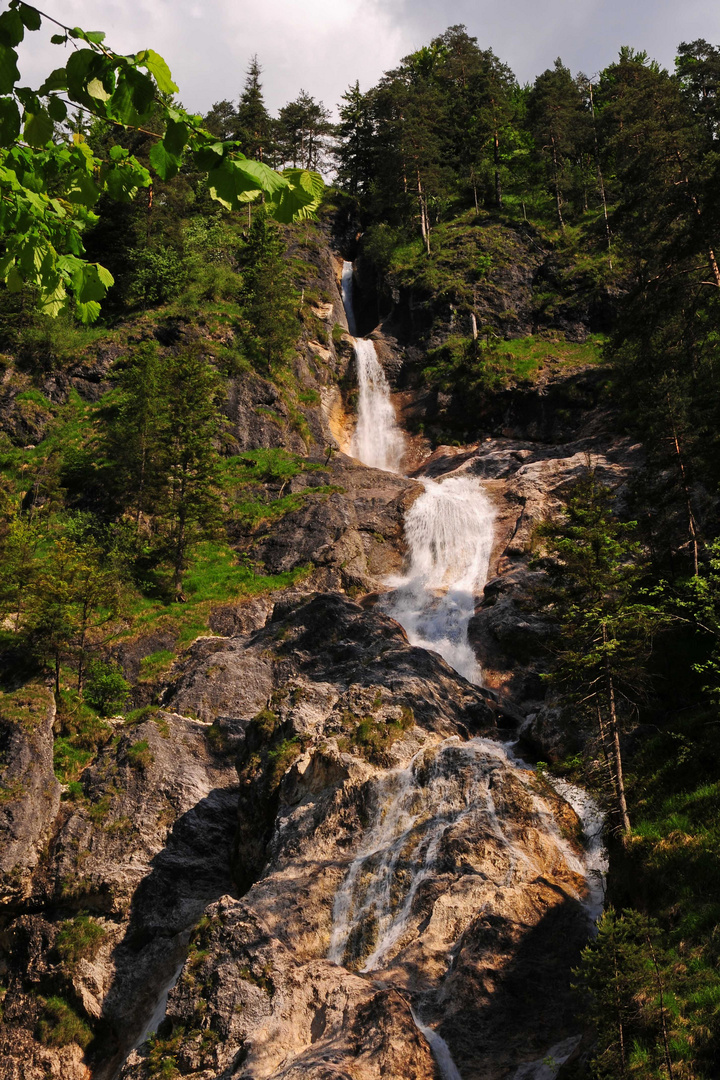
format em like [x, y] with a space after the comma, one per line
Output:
[310, 854]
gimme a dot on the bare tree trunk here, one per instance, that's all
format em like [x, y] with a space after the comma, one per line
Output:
[496, 159]
[424, 222]
[601, 182]
[663, 1015]
[692, 526]
[556, 177]
[615, 736]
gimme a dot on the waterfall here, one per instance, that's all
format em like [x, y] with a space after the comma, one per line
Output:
[377, 441]
[449, 532]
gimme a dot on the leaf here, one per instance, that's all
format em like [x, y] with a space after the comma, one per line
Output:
[96, 90]
[232, 183]
[12, 30]
[88, 312]
[82, 190]
[58, 39]
[9, 73]
[57, 109]
[56, 80]
[91, 282]
[209, 157]
[30, 17]
[53, 299]
[300, 200]
[164, 164]
[157, 67]
[9, 121]
[142, 89]
[6, 261]
[82, 66]
[13, 281]
[38, 128]
[117, 153]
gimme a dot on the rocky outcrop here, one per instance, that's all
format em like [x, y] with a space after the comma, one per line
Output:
[29, 792]
[359, 769]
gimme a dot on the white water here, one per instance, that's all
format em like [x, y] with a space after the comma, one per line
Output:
[449, 532]
[415, 807]
[377, 440]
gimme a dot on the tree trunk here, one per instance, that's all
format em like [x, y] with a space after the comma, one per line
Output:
[692, 527]
[601, 182]
[57, 671]
[615, 736]
[663, 1017]
[496, 159]
[424, 222]
[556, 177]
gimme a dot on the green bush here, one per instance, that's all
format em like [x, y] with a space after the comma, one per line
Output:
[158, 275]
[105, 687]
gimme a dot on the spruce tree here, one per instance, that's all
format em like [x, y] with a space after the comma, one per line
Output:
[354, 149]
[270, 321]
[254, 124]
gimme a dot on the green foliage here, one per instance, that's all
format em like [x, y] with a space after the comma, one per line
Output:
[79, 939]
[158, 275]
[106, 689]
[140, 755]
[52, 186]
[61, 1025]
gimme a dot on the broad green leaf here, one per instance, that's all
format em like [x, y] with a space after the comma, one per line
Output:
[233, 184]
[88, 312]
[53, 299]
[143, 90]
[96, 90]
[91, 282]
[9, 121]
[38, 129]
[165, 165]
[299, 201]
[30, 17]
[82, 190]
[9, 73]
[35, 255]
[95, 36]
[56, 80]
[176, 136]
[58, 39]
[57, 109]
[209, 157]
[13, 281]
[122, 182]
[6, 261]
[261, 175]
[82, 66]
[117, 153]
[12, 30]
[159, 70]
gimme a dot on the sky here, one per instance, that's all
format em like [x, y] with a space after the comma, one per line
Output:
[322, 46]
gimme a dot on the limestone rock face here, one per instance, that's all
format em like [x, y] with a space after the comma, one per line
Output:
[30, 794]
[388, 855]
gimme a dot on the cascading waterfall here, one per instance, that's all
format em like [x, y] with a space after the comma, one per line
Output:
[377, 441]
[449, 532]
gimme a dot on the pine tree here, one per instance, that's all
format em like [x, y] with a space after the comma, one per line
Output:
[354, 149]
[560, 123]
[187, 506]
[269, 300]
[222, 120]
[254, 124]
[605, 630]
[303, 131]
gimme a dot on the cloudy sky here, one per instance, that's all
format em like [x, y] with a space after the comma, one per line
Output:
[324, 45]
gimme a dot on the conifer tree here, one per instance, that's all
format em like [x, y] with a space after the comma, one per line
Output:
[269, 300]
[559, 122]
[606, 631]
[303, 129]
[354, 149]
[253, 120]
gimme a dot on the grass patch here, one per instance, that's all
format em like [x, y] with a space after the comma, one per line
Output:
[79, 939]
[61, 1025]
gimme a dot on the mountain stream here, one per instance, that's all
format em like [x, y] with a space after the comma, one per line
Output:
[449, 533]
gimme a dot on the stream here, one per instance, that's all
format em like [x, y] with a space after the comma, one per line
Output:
[449, 532]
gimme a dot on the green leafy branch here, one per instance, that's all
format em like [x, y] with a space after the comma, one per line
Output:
[49, 186]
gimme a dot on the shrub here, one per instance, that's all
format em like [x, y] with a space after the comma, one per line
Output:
[105, 687]
[158, 275]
